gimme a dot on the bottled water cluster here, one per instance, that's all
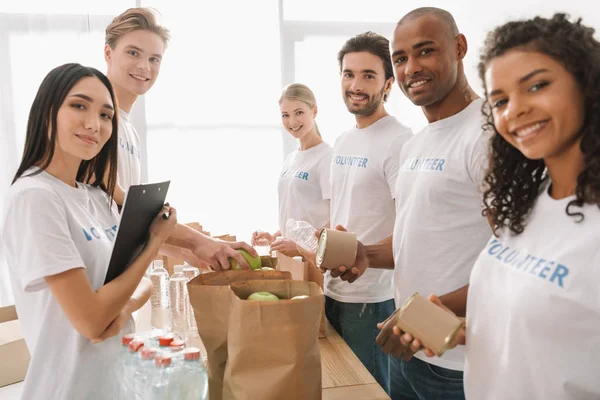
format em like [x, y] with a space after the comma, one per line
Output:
[171, 308]
[157, 367]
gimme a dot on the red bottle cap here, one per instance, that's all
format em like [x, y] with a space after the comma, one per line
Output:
[177, 345]
[191, 354]
[148, 353]
[162, 360]
[165, 340]
[126, 339]
[135, 345]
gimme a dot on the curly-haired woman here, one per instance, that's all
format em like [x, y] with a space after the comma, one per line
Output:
[533, 308]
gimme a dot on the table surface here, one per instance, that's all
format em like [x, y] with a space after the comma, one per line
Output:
[344, 376]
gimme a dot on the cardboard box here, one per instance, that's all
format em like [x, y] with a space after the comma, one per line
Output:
[14, 355]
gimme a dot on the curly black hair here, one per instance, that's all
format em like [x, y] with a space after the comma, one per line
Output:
[514, 182]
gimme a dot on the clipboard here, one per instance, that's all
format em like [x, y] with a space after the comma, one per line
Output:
[142, 204]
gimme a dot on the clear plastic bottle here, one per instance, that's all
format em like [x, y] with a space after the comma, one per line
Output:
[190, 273]
[262, 247]
[277, 239]
[160, 316]
[302, 233]
[194, 375]
[179, 302]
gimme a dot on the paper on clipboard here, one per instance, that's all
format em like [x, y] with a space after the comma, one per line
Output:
[142, 204]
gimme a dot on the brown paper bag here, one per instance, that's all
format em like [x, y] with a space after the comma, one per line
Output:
[303, 271]
[14, 355]
[210, 297]
[272, 346]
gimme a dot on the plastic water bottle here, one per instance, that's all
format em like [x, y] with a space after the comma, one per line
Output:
[194, 375]
[262, 246]
[302, 233]
[190, 273]
[179, 302]
[160, 316]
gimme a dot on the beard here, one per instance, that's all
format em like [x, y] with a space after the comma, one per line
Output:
[373, 102]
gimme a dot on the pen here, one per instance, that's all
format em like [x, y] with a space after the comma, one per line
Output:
[167, 214]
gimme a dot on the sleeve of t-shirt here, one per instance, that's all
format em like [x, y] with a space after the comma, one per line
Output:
[325, 176]
[37, 238]
[391, 163]
[478, 164]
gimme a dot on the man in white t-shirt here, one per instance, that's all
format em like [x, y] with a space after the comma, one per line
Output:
[135, 44]
[363, 173]
[439, 228]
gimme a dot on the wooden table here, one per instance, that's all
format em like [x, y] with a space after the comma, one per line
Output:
[344, 376]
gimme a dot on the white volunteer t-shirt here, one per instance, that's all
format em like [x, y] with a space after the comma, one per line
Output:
[130, 153]
[533, 310]
[304, 187]
[363, 174]
[49, 228]
[439, 229]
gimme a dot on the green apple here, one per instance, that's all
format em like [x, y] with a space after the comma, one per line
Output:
[254, 262]
[299, 297]
[263, 296]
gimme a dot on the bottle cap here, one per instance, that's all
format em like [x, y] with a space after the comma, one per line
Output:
[158, 264]
[135, 345]
[148, 353]
[297, 258]
[165, 340]
[178, 268]
[126, 339]
[191, 354]
[177, 345]
[162, 360]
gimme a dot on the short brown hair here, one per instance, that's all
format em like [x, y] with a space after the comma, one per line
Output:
[133, 19]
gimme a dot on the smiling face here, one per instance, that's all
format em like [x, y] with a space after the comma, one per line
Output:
[297, 117]
[425, 59]
[84, 120]
[536, 103]
[363, 83]
[134, 63]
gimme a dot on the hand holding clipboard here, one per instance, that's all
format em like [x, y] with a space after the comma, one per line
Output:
[142, 205]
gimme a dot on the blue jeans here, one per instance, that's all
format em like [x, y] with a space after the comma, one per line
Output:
[357, 325]
[418, 380]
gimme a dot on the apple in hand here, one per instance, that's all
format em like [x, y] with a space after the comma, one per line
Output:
[254, 262]
[263, 296]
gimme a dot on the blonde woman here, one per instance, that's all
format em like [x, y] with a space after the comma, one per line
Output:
[304, 188]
